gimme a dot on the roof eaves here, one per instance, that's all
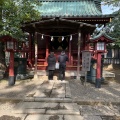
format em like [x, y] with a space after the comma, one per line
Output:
[85, 16]
[103, 33]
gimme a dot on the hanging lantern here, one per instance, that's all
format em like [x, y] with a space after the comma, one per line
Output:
[62, 38]
[10, 45]
[70, 37]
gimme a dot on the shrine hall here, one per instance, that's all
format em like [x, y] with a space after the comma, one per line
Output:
[65, 25]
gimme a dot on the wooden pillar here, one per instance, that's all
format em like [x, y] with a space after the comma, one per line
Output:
[98, 75]
[11, 69]
[36, 54]
[47, 50]
[83, 41]
[87, 45]
[33, 49]
[30, 50]
[78, 63]
[69, 52]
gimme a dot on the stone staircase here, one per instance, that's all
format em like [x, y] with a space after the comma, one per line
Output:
[49, 101]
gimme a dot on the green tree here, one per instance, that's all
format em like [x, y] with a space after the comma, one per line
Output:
[114, 27]
[115, 3]
[12, 14]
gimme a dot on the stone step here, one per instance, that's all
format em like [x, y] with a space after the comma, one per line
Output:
[69, 73]
[59, 111]
[55, 117]
[38, 99]
[47, 108]
[56, 109]
[69, 100]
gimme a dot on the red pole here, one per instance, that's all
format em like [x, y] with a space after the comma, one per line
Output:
[11, 69]
[98, 76]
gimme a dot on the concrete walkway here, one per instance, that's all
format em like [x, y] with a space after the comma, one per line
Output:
[60, 100]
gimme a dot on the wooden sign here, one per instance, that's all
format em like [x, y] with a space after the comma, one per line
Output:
[86, 60]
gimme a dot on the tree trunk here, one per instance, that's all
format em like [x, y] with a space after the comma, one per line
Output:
[2, 52]
[2, 60]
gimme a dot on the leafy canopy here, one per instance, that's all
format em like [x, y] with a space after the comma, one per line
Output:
[115, 3]
[13, 13]
[114, 26]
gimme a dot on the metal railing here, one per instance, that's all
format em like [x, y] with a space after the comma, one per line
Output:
[111, 60]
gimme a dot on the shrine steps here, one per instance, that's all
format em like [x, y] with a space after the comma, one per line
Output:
[70, 74]
[43, 75]
[44, 67]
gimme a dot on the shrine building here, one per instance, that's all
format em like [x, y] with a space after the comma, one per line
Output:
[59, 28]
[64, 25]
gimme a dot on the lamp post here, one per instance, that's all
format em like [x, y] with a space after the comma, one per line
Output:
[10, 47]
[100, 48]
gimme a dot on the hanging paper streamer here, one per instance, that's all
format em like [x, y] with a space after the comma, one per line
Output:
[42, 37]
[70, 37]
[62, 38]
[51, 38]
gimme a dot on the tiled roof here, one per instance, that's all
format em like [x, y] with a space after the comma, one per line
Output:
[70, 8]
[103, 33]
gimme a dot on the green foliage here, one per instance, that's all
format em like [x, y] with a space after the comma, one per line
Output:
[115, 3]
[114, 27]
[15, 12]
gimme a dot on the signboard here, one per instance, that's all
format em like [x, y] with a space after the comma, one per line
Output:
[86, 60]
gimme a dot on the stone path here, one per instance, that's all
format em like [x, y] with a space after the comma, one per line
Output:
[62, 111]
[52, 100]
[51, 89]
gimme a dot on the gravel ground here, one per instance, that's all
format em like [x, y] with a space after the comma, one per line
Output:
[19, 90]
[6, 117]
[109, 92]
[7, 106]
[6, 111]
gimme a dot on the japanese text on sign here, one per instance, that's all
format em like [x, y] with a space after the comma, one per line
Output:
[86, 60]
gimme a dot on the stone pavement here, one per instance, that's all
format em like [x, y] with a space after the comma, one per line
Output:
[60, 100]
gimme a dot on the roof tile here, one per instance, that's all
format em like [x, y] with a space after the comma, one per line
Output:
[70, 8]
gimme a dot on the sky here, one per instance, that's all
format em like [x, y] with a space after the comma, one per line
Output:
[108, 9]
